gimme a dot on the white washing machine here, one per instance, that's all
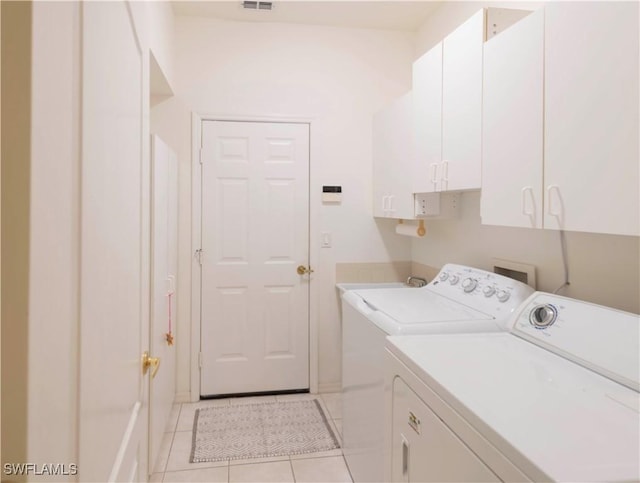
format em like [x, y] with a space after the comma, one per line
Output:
[554, 399]
[459, 299]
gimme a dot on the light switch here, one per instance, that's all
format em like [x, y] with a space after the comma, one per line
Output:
[326, 239]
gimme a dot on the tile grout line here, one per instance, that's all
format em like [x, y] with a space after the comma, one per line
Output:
[173, 437]
[293, 473]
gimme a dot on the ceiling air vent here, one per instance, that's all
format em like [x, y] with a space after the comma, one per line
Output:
[257, 5]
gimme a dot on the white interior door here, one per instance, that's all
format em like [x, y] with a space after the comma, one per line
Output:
[114, 292]
[255, 233]
[164, 256]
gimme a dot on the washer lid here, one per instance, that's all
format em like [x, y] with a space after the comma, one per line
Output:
[419, 306]
[551, 417]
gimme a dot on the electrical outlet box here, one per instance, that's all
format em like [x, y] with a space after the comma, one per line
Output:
[523, 272]
[438, 206]
[426, 204]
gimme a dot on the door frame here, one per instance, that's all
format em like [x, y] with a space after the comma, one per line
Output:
[196, 231]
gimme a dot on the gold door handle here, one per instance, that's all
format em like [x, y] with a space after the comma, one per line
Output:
[148, 362]
[302, 270]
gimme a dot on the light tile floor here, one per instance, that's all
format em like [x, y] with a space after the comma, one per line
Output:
[173, 460]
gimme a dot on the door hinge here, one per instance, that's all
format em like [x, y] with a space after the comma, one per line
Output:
[200, 360]
[198, 255]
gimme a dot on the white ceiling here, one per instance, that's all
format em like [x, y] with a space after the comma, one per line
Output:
[389, 15]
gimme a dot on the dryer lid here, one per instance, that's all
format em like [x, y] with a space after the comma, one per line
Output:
[553, 418]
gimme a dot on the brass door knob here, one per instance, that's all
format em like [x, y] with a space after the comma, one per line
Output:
[302, 270]
[148, 362]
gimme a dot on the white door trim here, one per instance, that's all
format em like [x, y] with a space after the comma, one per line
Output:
[196, 236]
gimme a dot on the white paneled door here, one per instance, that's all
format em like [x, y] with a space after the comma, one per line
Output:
[255, 235]
[164, 265]
[112, 424]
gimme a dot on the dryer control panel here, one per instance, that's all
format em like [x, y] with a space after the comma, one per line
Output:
[485, 291]
[601, 338]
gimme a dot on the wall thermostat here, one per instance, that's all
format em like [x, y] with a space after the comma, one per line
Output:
[331, 194]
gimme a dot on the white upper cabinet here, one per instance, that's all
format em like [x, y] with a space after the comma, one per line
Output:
[512, 120]
[427, 111]
[462, 105]
[393, 160]
[591, 117]
[560, 120]
[447, 85]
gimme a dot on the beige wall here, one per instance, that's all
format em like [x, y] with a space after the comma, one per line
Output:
[16, 96]
[335, 77]
[0, 230]
[603, 269]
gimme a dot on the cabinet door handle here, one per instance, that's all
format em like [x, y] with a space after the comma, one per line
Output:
[405, 458]
[550, 189]
[434, 173]
[384, 205]
[524, 201]
[391, 200]
[445, 176]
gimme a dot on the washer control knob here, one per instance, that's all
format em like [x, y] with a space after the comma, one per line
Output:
[453, 279]
[443, 276]
[489, 290]
[503, 295]
[542, 316]
[469, 284]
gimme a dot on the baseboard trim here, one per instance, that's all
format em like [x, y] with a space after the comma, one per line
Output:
[330, 387]
[183, 397]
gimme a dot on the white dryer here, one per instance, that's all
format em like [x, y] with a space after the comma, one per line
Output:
[554, 399]
[459, 299]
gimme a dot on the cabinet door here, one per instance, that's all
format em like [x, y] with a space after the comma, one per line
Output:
[380, 156]
[512, 125]
[424, 448]
[427, 112]
[393, 159]
[591, 117]
[403, 156]
[462, 105]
